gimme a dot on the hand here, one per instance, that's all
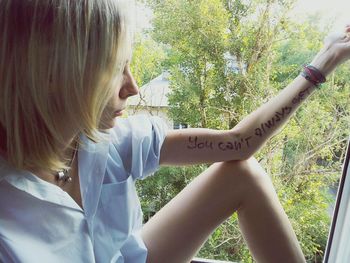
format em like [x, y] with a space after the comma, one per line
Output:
[336, 51]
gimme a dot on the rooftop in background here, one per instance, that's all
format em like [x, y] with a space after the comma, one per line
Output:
[153, 94]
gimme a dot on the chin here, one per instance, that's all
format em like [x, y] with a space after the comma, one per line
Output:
[105, 125]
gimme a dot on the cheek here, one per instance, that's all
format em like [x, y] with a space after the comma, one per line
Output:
[107, 113]
[113, 102]
[115, 99]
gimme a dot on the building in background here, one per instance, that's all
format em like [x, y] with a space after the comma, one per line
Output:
[153, 100]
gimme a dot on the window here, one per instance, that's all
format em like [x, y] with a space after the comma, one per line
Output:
[179, 126]
[338, 250]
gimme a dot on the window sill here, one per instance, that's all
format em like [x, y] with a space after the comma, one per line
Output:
[202, 260]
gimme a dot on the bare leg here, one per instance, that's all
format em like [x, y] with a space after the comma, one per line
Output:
[179, 229]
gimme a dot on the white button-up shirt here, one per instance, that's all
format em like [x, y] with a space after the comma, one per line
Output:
[39, 222]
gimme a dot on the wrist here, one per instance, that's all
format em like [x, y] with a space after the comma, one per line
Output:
[325, 61]
[313, 75]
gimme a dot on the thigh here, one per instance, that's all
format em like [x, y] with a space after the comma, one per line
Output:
[179, 229]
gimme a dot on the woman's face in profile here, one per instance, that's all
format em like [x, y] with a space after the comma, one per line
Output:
[116, 106]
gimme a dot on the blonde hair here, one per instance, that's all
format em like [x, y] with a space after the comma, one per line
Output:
[60, 61]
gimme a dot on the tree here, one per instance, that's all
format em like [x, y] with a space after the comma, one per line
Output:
[148, 58]
[196, 31]
[227, 57]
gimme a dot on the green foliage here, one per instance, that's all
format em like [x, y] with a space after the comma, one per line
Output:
[158, 190]
[226, 58]
[306, 203]
[197, 34]
[148, 58]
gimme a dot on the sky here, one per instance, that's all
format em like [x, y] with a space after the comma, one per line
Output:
[336, 11]
[330, 10]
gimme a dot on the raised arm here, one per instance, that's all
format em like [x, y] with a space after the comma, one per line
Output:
[194, 146]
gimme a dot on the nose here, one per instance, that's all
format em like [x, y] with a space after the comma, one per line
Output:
[129, 87]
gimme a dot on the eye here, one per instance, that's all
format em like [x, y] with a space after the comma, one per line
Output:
[125, 74]
[126, 68]
[127, 64]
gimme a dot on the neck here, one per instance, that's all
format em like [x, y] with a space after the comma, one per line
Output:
[70, 154]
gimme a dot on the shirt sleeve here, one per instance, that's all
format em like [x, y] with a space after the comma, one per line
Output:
[138, 140]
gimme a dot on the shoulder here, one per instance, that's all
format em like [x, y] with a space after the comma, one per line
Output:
[138, 140]
[138, 132]
[139, 126]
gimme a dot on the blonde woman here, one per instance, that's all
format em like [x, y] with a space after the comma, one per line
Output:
[68, 163]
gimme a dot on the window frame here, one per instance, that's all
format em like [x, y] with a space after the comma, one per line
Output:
[335, 244]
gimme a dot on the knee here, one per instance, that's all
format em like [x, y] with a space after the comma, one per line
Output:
[247, 175]
[249, 168]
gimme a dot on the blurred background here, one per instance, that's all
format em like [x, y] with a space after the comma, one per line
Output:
[209, 63]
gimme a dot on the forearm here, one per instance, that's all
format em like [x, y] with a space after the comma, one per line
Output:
[206, 146]
[266, 121]
[263, 123]
[193, 146]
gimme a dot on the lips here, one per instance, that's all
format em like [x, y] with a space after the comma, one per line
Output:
[118, 113]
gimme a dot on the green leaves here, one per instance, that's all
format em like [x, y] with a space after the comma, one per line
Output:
[147, 61]
[226, 58]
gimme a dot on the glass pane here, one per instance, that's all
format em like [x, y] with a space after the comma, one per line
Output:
[338, 247]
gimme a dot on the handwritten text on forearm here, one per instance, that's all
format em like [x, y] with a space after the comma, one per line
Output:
[194, 142]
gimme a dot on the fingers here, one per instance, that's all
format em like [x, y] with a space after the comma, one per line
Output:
[347, 30]
[334, 38]
[346, 38]
[347, 33]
